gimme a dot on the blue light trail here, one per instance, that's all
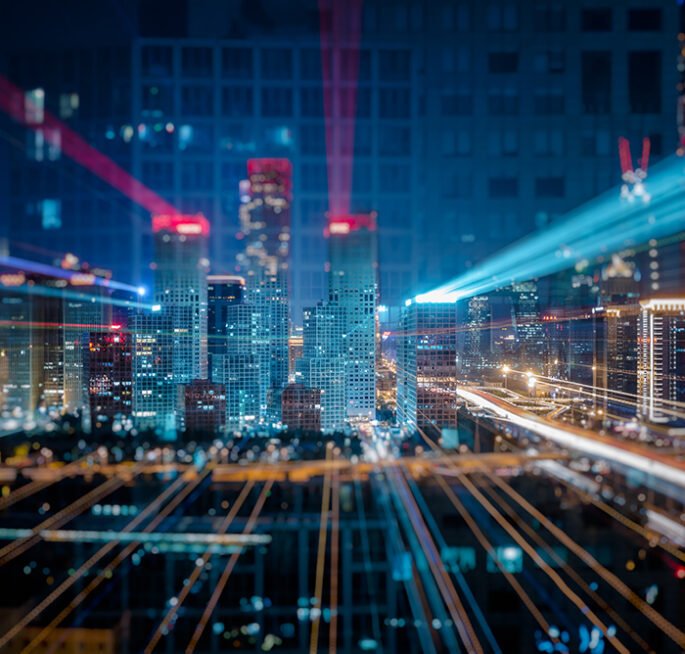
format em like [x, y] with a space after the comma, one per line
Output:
[599, 227]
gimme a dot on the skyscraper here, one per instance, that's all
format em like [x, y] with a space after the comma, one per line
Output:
[530, 340]
[154, 385]
[476, 352]
[181, 289]
[223, 291]
[323, 364]
[616, 353]
[661, 357]
[353, 287]
[265, 261]
[109, 377]
[237, 366]
[427, 367]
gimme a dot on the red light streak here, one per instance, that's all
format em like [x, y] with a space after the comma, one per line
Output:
[13, 102]
[340, 32]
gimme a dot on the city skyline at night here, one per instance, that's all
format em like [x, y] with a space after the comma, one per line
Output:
[342, 325]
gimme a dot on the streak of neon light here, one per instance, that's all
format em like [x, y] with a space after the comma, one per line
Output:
[25, 265]
[13, 101]
[598, 227]
[340, 32]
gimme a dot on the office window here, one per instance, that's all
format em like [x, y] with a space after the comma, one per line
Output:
[363, 102]
[552, 62]
[277, 102]
[395, 103]
[453, 17]
[393, 178]
[596, 82]
[237, 63]
[549, 102]
[595, 20]
[277, 63]
[456, 142]
[314, 177]
[313, 210]
[503, 187]
[549, 18]
[197, 175]
[158, 175]
[548, 142]
[197, 101]
[394, 140]
[644, 20]
[596, 143]
[456, 104]
[457, 184]
[310, 64]
[237, 101]
[363, 139]
[657, 144]
[502, 18]
[550, 187]
[394, 65]
[158, 97]
[503, 143]
[503, 102]
[157, 61]
[311, 102]
[313, 139]
[503, 62]
[197, 62]
[644, 81]
[362, 178]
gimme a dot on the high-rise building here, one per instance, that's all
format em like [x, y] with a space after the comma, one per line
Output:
[237, 367]
[323, 363]
[181, 289]
[205, 408]
[353, 286]
[301, 408]
[530, 338]
[109, 361]
[265, 261]
[427, 367]
[154, 385]
[84, 311]
[661, 357]
[476, 352]
[223, 291]
[616, 354]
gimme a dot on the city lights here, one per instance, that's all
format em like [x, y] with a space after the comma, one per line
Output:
[346, 325]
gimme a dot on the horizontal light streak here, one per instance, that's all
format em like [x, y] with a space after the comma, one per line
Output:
[575, 441]
[99, 536]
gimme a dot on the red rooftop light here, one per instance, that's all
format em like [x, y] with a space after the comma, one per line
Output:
[184, 224]
[346, 223]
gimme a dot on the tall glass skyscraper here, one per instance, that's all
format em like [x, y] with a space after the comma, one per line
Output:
[353, 286]
[180, 269]
[265, 227]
